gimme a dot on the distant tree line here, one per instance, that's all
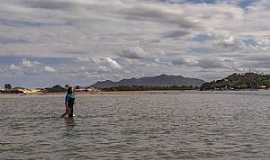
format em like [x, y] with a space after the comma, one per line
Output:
[8, 86]
[8, 89]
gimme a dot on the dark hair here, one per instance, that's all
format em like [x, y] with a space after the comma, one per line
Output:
[69, 90]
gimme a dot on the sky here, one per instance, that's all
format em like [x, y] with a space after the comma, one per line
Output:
[79, 42]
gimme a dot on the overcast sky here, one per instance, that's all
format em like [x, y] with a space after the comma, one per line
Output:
[46, 42]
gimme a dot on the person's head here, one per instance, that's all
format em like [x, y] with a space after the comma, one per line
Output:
[69, 90]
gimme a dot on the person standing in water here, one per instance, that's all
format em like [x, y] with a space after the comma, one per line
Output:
[69, 102]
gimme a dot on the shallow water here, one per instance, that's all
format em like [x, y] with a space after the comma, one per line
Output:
[141, 125]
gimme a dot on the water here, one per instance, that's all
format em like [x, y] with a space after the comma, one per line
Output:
[141, 125]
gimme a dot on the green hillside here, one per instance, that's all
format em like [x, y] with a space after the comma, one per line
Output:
[239, 81]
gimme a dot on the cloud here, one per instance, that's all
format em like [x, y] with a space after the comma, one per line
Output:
[49, 69]
[159, 13]
[83, 59]
[114, 64]
[29, 67]
[9, 40]
[211, 63]
[51, 4]
[175, 34]
[134, 53]
[256, 62]
[14, 67]
[101, 63]
[179, 61]
[122, 38]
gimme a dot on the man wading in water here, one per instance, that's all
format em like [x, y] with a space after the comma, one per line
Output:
[69, 102]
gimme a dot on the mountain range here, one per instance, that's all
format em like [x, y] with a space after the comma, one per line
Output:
[155, 81]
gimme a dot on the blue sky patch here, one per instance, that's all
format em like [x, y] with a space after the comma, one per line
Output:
[242, 3]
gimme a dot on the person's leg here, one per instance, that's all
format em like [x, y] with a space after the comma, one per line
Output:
[63, 115]
[70, 114]
[66, 113]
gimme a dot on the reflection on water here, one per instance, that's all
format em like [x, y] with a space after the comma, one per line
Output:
[157, 125]
[70, 122]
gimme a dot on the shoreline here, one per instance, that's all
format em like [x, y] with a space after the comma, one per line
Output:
[133, 92]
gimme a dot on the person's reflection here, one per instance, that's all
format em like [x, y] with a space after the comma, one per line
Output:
[69, 139]
[70, 122]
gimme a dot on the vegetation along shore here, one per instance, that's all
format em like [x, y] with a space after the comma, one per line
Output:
[235, 81]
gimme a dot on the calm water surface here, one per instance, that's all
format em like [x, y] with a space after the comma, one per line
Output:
[159, 125]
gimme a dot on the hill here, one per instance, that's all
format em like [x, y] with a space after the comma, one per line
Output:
[56, 88]
[150, 82]
[239, 81]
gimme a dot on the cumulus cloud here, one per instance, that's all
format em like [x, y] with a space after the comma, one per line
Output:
[29, 67]
[134, 53]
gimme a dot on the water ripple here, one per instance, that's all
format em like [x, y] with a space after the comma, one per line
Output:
[159, 125]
